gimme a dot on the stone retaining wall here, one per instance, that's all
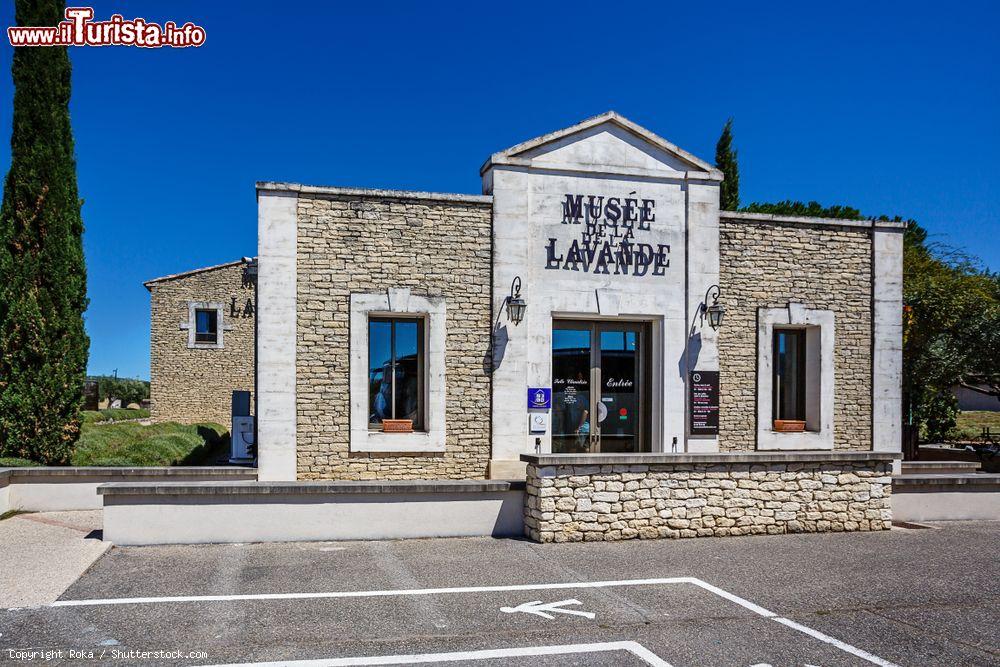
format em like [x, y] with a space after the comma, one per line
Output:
[614, 501]
[767, 264]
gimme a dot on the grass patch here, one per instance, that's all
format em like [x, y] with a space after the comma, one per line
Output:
[113, 414]
[11, 462]
[10, 513]
[162, 444]
[969, 425]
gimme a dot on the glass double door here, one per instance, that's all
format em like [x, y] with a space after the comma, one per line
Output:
[600, 379]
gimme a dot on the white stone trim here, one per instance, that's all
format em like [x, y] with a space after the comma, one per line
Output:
[702, 254]
[887, 341]
[571, 169]
[396, 302]
[277, 236]
[191, 324]
[819, 326]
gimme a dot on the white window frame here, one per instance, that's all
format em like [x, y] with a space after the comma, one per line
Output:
[399, 303]
[819, 328]
[191, 325]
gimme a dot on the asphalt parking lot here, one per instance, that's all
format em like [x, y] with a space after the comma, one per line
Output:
[905, 597]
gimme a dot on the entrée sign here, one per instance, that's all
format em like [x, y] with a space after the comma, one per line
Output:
[607, 242]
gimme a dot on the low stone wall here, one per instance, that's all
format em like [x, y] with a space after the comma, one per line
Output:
[227, 512]
[572, 498]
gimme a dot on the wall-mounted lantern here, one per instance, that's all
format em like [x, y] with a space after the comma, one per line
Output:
[715, 311]
[515, 304]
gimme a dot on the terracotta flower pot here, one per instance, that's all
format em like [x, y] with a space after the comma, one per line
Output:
[789, 425]
[397, 425]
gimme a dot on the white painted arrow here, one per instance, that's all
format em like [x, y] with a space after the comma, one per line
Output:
[538, 609]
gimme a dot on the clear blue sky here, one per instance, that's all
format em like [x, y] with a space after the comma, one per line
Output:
[892, 109]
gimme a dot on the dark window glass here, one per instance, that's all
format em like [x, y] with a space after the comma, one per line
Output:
[789, 381]
[395, 370]
[570, 390]
[379, 371]
[206, 328]
[619, 391]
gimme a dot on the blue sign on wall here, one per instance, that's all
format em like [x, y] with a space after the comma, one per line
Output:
[539, 398]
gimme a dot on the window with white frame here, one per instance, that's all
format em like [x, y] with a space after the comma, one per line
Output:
[397, 351]
[205, 325]
[795, 378]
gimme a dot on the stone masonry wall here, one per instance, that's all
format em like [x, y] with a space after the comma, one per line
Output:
[196, 385]
[768, 264]
[573, 503]
[367, 244]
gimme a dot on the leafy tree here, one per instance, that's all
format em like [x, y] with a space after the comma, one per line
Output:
[951, 330]
[43, 345]
[725, 160]
[127, 389]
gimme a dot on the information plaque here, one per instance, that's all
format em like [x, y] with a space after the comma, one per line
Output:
[703, 402]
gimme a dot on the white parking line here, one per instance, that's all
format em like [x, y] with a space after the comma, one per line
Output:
[746, 604]
[373, 594]
[635, 649]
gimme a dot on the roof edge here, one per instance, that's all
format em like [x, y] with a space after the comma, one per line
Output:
[273, 186]
[743, 216]
[607, 116]
[185, 274]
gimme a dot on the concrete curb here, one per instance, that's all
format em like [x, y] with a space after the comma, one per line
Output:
[713, 457]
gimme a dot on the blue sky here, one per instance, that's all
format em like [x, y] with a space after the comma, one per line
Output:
[892, 109]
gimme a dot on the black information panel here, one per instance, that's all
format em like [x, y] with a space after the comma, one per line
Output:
[704, 402]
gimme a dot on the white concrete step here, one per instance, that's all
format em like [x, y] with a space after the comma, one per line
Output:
[937, 467]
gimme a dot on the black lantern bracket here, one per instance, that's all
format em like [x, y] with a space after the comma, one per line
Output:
[515, 304]
[713, 312]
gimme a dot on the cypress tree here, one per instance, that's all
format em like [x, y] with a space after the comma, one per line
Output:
[43, 292]
[725, 160]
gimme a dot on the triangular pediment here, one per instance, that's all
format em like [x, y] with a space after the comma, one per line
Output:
[608, 142]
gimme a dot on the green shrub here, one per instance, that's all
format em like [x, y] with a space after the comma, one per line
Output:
[937, 412]
[16, 463]
[113, 414]
[162, 444]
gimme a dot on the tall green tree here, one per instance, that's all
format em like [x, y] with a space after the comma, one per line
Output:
[725, 160]
[950, 332]
[43, 345]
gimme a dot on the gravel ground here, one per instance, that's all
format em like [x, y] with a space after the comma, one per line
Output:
[43, 553]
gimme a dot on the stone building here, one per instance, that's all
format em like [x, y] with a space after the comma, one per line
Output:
[593, 301]
[589, 350]
[201, 342]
